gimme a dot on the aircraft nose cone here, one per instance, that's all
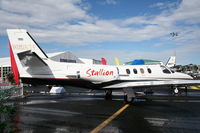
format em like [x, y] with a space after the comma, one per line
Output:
[185, 76]
[190, 77]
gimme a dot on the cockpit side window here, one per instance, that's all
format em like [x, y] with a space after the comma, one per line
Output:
[165, 70]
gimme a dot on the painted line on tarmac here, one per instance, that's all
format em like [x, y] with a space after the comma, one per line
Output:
[195, 87]
[107, 121]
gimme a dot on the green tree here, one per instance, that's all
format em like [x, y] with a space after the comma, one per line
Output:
[10, 78]
[7, 112]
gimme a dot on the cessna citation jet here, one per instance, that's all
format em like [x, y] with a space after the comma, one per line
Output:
[31, 65]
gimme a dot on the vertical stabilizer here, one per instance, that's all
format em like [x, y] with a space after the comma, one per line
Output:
[171, 62]
[19, 42]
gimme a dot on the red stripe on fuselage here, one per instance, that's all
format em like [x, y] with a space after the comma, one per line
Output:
[14, 66]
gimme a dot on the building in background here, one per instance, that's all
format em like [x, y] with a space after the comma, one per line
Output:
[191, 69]
[5, 68]
[64, 57]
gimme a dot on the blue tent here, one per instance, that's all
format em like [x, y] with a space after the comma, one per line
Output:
[138, 62]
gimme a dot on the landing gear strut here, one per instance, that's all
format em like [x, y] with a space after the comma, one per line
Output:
[108, 94]
[186, 89]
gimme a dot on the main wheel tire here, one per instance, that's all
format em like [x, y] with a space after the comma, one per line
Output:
[177, 91]
[108, 95]
[128, 100]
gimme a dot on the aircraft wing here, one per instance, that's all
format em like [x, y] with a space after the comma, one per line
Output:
[29, 58]
[153, 83]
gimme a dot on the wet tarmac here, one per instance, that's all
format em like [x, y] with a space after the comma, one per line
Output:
[82, 113]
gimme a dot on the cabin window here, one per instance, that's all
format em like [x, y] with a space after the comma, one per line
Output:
[135, 71]
[128, 71]
[142, 70]
[149, 70]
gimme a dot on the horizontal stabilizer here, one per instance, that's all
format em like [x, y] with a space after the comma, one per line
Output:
[31, 59]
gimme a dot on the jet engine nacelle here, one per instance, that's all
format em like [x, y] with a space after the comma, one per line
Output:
[99, 73]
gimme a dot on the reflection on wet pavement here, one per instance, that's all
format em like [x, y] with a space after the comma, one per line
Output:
[175, 125]
[81, 114]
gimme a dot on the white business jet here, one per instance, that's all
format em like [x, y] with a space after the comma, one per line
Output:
[31, 65]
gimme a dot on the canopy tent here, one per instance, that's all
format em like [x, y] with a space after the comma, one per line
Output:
[57, 90]
[143, 62]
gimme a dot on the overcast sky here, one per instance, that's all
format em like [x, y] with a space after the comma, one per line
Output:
[127, 29]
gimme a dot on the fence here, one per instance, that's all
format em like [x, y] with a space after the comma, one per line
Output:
[15, 90]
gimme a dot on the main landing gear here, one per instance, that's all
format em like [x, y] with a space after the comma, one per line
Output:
[129, 95]
[108, 95]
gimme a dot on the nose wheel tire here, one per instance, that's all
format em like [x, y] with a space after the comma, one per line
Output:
[176, 91]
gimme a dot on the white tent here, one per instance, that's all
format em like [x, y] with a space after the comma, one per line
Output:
[57, 90]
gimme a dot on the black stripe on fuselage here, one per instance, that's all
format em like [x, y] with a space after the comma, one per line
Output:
[54, 81]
